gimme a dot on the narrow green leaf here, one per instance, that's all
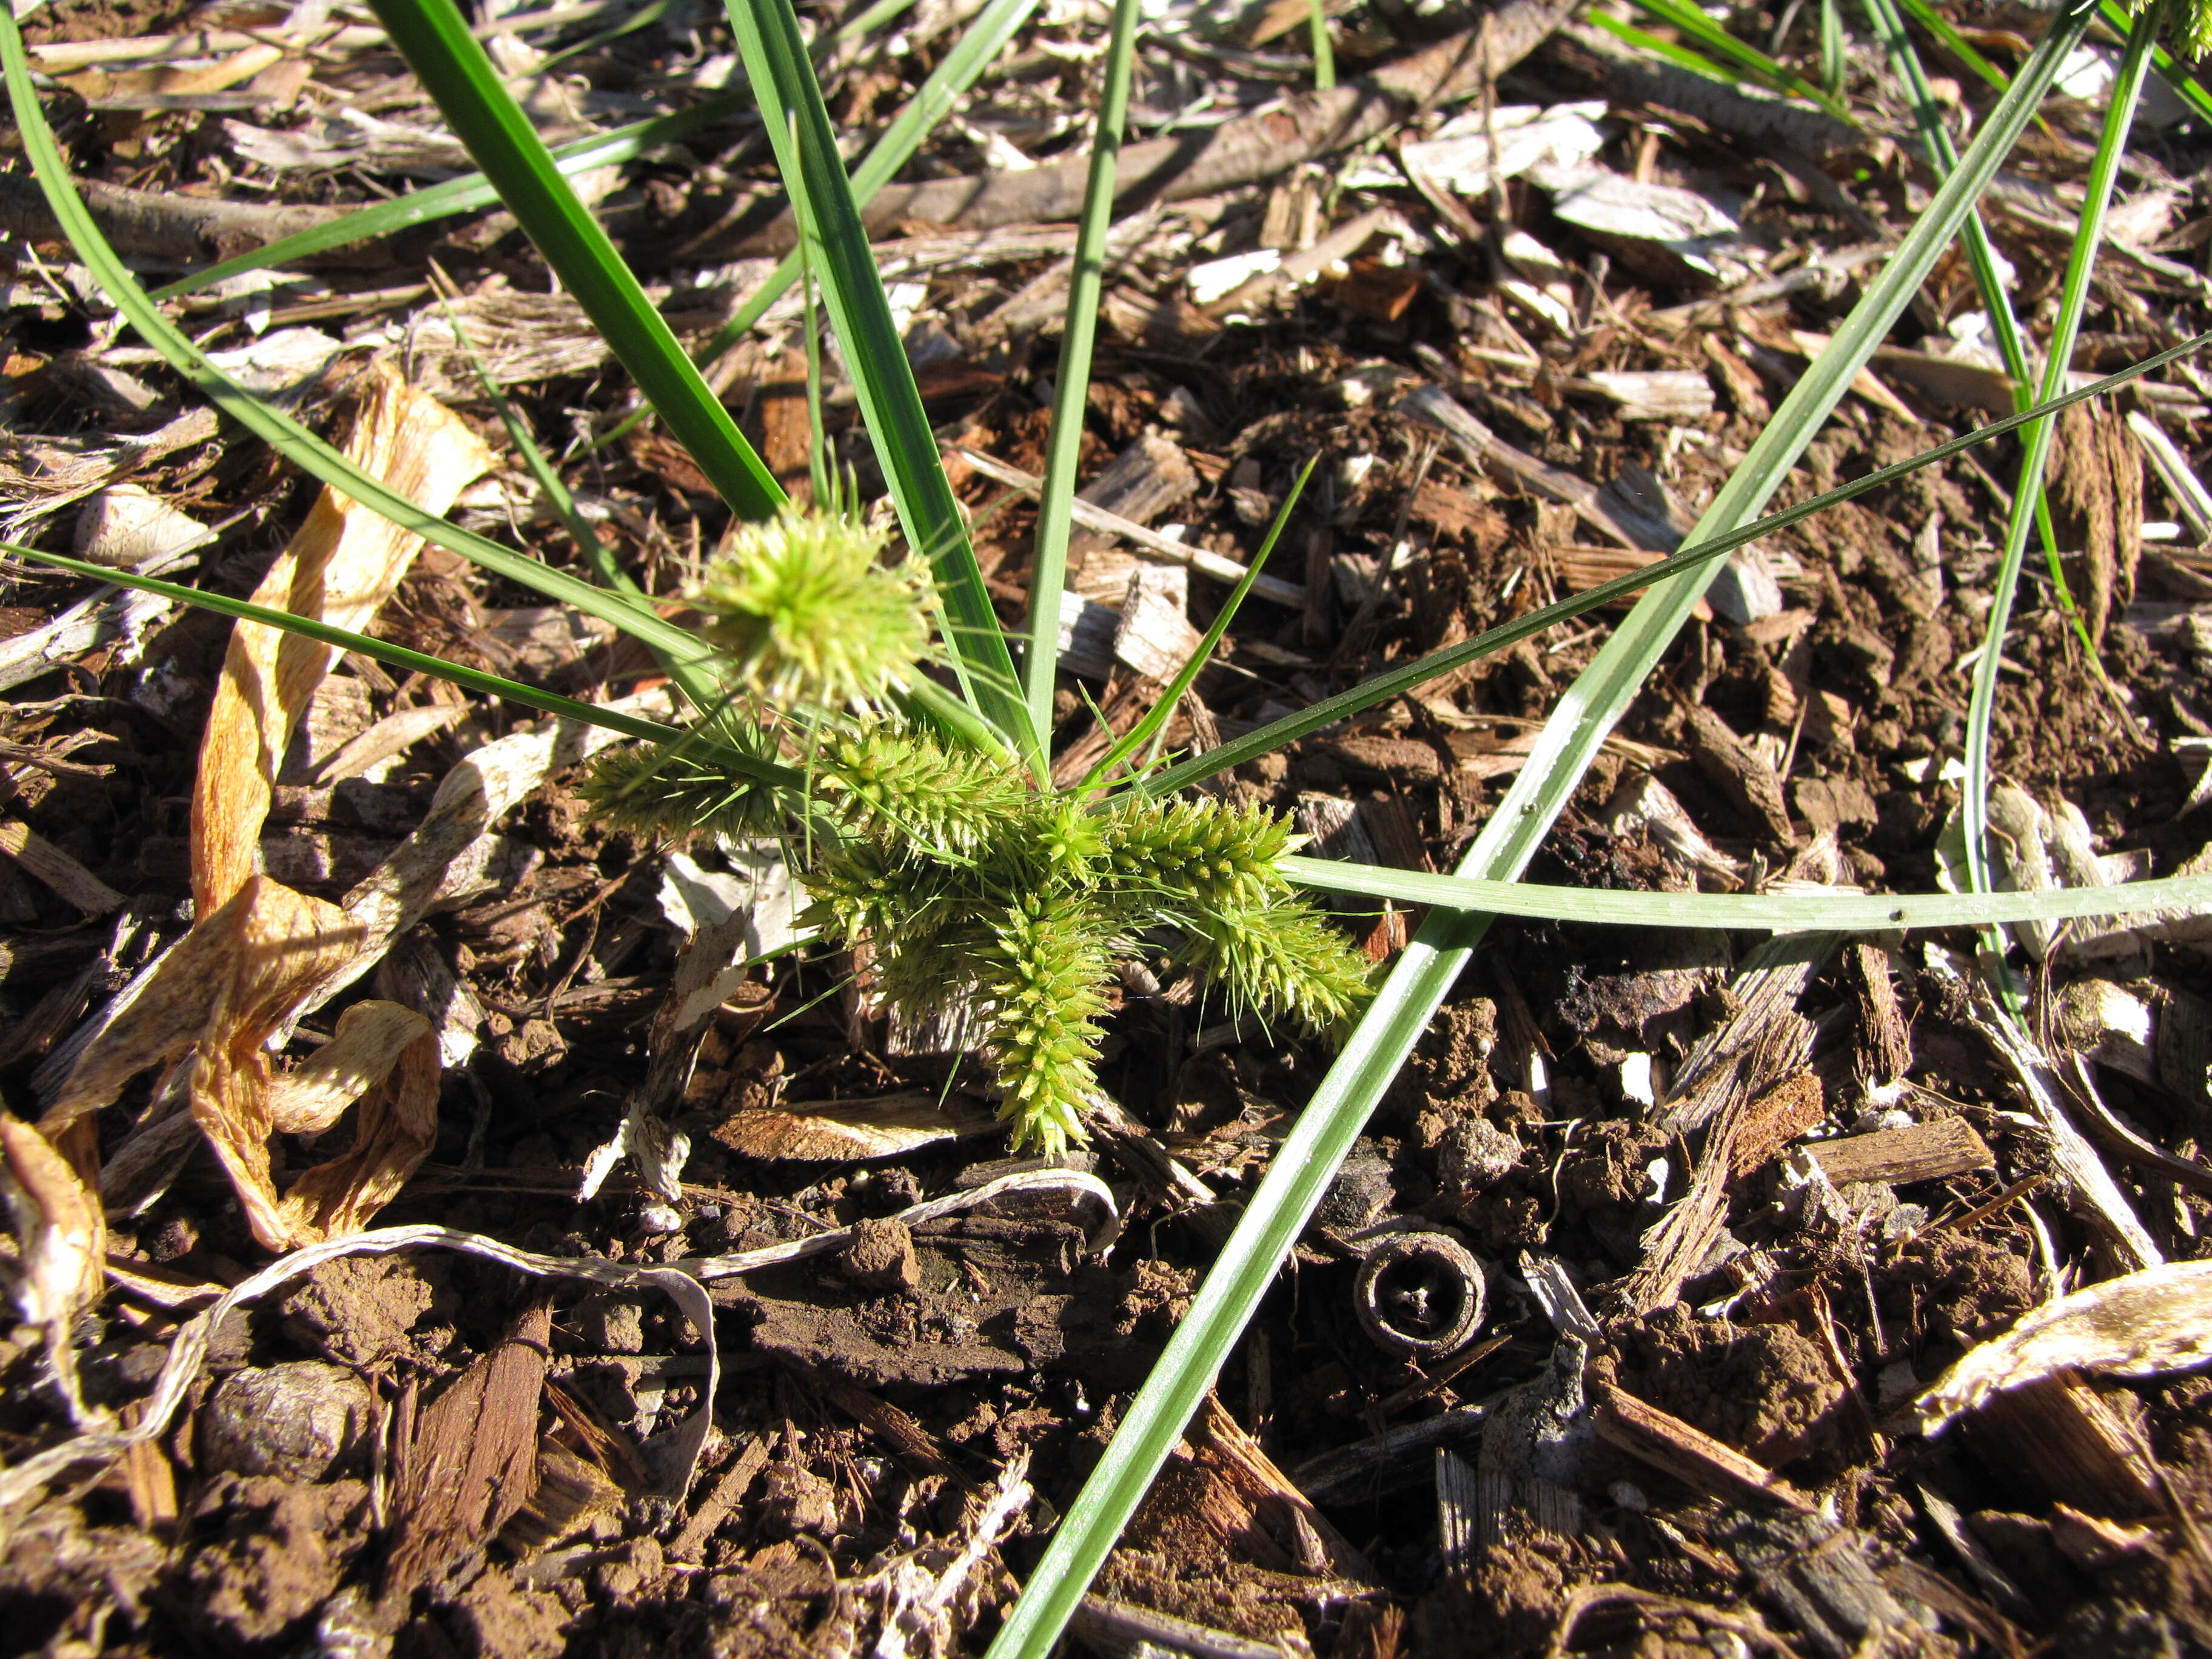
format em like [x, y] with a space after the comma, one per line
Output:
[294, 440]
[419, 662]
[1831, 47]
[1156, 717]
[1424, 974]
[1324, 54]
[1832, 913]
[1947, 36]
[883, 380]
[450, 61]
[1692, 23]
[995, 25]
[2176, 74]
[1398, 681]
[1071, 401]
[2035, 444]
[465, 195]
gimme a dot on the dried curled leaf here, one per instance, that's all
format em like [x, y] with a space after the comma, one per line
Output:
[2159, 1320]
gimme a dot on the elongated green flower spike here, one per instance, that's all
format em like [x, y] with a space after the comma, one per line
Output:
[885, 780]
[1041, 976]
[1278, 958]
[673, 794]
[1203, 852]
[808, 616]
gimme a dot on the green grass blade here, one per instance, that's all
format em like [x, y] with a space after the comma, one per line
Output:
[1982, 257]
[985, 37]
[1071, 401]
[1425, 973]
[2176, 74]
[420, 662]
[1324, 54]
[883, 380]
[1831, 47]
[294, 440]
[1947, 36]
[457, 196]
[1832, 913]
[1398, 681]
[1671, 52]
[1703, 32]
[2035, 443]
[450, 61]
[1156, 717]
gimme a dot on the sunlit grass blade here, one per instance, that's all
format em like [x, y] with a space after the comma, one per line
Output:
[883, 380]
[1831, 47]
[1671, 52]
[1071, 401]
[450, 61]
[1324, 54]
[1156, 717]
[1989, 275]
[294, 440]
[1364, 1071]
[2035, 443]
[1395, 683]
[465, 195]
[2175, 72]
[985, 37]
[420, 662]
[1947, 36]
[1712, 38]
[1830, 913]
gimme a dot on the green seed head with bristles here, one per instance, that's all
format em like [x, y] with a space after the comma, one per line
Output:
[808, 615]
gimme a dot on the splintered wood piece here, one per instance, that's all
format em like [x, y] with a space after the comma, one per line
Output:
[468, 1462]
[40, 858]
[1691, 1455]
[1918, 1152]
[1105, 1625]
[1155, 637]
[2067, 1441]
[1740, 771]
[1392, 1462]
[1144, 481]
[1776, 1118]
[570, 1491]
[1335, 829]
[1885, 1046]
[1458, 1509]
[729, 1492]
[1765, 994]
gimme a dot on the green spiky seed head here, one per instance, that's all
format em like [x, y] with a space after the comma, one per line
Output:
[1040, 974]
[1216, 852]
[887, 780]
[808, 616]
[675, 793]
[1282, 957]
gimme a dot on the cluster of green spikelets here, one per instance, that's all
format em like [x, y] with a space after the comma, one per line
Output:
[966, 880]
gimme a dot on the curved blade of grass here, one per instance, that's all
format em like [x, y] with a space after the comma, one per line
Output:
[1982, 256]
[1156, 717]
[421, 662]
[1832, 48]
[1424, 974]
[692, 678]
[1671, 52]
[467, 195]
[1830, 913]
[294, 440]
[1398, 681]
[1702, 31]
[995, 25]
[450, 61]
[1071, 400]
[1324, 54]
[2035, 443]
[2176, 74]
[1947, 36]
[883, 380]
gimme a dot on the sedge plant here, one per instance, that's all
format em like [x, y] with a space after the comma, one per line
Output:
[852, 691]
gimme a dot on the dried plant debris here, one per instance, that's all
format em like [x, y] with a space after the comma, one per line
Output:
[758, 1341]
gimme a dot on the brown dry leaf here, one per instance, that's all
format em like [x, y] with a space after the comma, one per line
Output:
[340, 566]
[259, 951]
[61, 1235]
[2159, 1320]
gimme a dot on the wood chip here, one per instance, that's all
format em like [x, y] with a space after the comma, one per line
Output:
[1918, 1152]
[38, 857]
